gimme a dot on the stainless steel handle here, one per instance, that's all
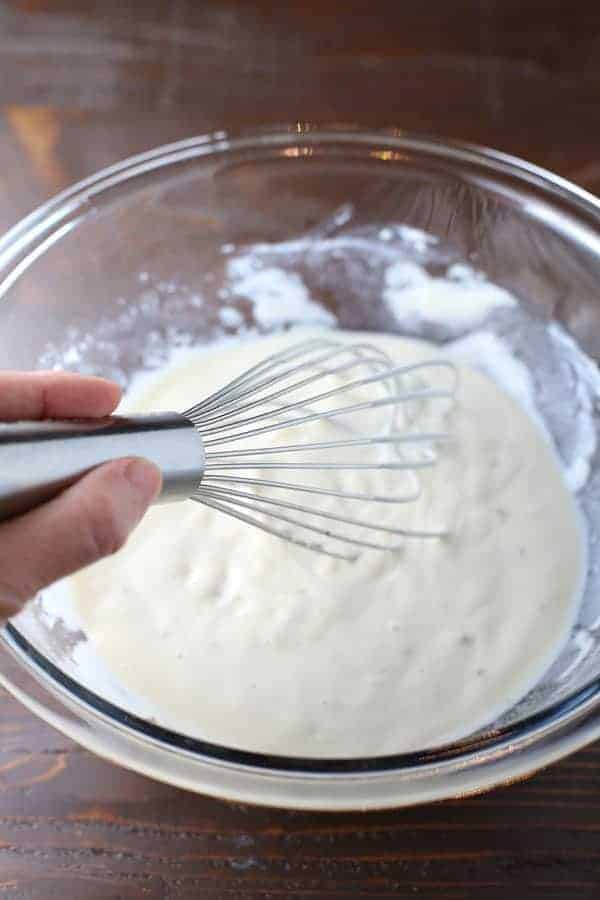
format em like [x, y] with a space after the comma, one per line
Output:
[40, 459]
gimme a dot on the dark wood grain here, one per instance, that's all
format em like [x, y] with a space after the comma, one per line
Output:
[83, 84]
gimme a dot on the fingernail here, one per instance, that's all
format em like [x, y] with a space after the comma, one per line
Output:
[145, 478]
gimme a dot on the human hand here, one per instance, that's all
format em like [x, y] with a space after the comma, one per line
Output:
[89, 520]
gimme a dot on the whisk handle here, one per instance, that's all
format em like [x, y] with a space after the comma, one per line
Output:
[40, 459]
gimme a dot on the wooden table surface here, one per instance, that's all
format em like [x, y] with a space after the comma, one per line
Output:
[83, 84]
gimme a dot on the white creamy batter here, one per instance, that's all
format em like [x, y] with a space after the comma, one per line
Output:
[239, 638]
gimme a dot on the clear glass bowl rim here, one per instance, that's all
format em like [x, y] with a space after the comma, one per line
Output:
[536, 740]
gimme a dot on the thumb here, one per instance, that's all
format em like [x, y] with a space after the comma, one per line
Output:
[88, 521]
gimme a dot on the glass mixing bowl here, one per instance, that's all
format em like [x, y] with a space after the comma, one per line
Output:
[115, 271]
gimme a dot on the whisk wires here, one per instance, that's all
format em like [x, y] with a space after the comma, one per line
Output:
[257, 436]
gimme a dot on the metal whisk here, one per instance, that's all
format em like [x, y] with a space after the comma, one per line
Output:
[291, 446]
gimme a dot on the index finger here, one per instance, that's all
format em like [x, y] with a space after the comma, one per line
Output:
[55, 395]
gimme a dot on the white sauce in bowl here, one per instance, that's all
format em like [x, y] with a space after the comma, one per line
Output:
[236, 637]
